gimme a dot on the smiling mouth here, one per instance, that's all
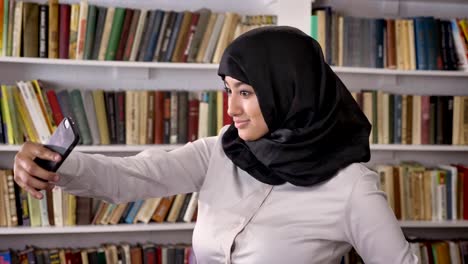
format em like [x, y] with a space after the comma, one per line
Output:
[240, 124]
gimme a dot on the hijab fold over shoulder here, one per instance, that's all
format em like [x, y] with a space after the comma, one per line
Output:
[315, 126]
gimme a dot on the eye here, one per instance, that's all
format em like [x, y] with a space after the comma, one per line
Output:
[227, 90]
[245, 93]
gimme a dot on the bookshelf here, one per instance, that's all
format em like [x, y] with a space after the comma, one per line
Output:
[116, 75]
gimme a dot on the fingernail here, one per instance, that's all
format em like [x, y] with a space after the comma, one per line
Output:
[56, 178]
[57, 158]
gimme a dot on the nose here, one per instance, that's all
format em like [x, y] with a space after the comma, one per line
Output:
[234, 107]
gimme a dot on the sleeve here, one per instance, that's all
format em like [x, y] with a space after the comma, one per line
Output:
[371, 226]
[151, 173]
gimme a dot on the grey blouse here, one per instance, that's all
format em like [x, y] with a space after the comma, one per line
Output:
[241, 220]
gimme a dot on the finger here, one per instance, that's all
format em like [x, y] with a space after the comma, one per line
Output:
[50, 187]
[33, 169]
[35, 193]
[39, 151]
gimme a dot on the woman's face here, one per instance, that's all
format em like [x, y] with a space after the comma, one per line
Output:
[244, 109]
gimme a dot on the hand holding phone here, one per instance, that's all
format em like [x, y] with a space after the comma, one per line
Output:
[64, 139]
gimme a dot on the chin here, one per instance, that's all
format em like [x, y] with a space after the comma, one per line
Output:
[246, 136]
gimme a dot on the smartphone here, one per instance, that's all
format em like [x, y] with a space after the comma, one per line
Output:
[62, 141]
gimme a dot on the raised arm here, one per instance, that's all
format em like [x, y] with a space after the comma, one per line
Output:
[371, 226]
[151, 173]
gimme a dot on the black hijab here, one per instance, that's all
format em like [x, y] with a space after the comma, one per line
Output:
[315, 126]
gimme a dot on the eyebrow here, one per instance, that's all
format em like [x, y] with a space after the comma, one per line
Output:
[236, 84]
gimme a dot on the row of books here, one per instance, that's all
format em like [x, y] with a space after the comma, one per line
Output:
[427, 251]
[417, 43]
[30, 111]
[90, 32]
[415, 119]
[419, 193]
[110, 253]
[59, 208]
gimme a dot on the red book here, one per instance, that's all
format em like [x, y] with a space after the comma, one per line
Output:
[193, 112]
[64, 30]
[227, 120]
[191, 32]
[124, 34]
[158, 117]
[463, 189]
[55, 106]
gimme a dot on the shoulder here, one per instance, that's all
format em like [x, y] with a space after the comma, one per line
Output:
[354, 179]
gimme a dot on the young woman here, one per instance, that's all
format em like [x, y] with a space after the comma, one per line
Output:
[282, 184]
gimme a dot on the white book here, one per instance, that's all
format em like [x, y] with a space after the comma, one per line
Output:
[192, 206]
[57, 198]
[147, 209]
[106, 33]
[138, 34]
[82, 24]
[210, 49]
[17, 29]
[37, 118]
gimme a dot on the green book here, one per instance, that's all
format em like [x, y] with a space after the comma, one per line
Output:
[314, 27]
[15, 120]
[34, 211]
[6, 5]
[212, 116]
[81, 120]
[116, 31]
[90, 32]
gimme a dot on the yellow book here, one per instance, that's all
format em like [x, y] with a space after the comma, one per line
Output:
[6, 113]
[98, 97]
[34, 211]
[74, 21]
[53, 36]
[31, 132]
[46, 112]
[219, 110]
[71, 212]
[1, 26]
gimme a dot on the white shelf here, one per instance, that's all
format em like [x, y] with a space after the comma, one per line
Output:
[435, 224]
[117, 64]
[98, 229]
[155, 227]
[103, 148]
[139, 148]
[378, 71]
[213, 67]
[398, 147]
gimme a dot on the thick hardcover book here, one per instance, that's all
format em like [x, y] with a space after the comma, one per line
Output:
[115, 33]
[43, 31]
[81, 119]
[153, 36]
[182, 113]
[131, 35]
[100, 21]
[30, 29]
[158, 117]
[64, 30]
[109, 97]
[53, 32]
[124, 34]
[120, 116]
[90, 32]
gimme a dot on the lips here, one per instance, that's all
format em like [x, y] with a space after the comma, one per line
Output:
[240, 123]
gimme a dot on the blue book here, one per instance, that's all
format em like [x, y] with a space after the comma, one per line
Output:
[431, 40]
[154, 35]
[173, 39]
[379, 37]
[420, 38]
[5, 256]
[133, 211]
[397, 119]
[126, 211]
